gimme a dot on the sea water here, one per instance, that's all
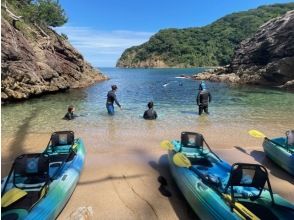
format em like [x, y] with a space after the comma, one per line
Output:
[232, 107]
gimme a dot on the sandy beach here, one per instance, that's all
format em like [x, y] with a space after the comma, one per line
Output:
[120, 177]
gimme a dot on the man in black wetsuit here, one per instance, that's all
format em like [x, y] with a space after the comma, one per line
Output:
[111, 98]
[150, 114]
[203, 98]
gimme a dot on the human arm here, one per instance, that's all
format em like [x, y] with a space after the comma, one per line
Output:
[209, 97]
[115, 100]
[198, 98]
[145, 115]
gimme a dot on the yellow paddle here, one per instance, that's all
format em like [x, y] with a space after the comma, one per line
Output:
[167, 145]
[182, 161]
[12, 196]
[256, 133]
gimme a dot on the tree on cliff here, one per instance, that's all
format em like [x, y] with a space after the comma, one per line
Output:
[45, 13]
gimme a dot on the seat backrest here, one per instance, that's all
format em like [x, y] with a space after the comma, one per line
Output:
[249, 175]
[30, 170]
[192, 139]
[60, 138]
[290, 138]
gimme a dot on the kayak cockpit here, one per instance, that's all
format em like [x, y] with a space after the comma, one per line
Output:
[26, 184]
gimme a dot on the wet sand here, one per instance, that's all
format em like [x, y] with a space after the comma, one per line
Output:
[120, 177]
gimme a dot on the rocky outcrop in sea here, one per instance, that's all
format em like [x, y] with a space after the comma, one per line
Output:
[37, 61]
[265, 59]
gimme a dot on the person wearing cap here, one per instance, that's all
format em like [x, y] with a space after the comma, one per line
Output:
[203, 98]
[150, 114]
[70, 113]
[111, 98]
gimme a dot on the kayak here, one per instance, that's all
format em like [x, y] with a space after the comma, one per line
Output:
[216, 190]
[279, 152]
[39, 185]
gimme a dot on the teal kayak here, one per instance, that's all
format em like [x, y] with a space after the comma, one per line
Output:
[216, 190]
[279, 152]
[39, 185]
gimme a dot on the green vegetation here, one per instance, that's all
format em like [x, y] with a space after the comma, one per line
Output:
[41, 12]
[211, 45]
[64, 36]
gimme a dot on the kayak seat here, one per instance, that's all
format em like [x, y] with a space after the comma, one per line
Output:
[60, 146]
[200, 161]
[30, 174]
[61, 142]
[248, 176]
[192, 140]
[31, 171]
[290, 138]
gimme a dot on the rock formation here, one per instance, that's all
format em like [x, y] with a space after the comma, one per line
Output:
[267, 58]
[35, 62]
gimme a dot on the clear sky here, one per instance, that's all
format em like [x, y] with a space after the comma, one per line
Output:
[102, 29]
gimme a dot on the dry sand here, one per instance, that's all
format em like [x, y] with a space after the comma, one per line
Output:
[120, 177]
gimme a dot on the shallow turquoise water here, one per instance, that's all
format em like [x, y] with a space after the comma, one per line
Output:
[174, 98]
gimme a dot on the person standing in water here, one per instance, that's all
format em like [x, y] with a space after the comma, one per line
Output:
[111, 98]
[150, 114]
[203, 98]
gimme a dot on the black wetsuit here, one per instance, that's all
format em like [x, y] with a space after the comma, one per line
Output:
[150, 114]
[111, 98]
[70, 116]
[203, 98]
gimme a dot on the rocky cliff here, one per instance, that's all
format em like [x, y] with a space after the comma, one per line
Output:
[267, 58]
[37, 61]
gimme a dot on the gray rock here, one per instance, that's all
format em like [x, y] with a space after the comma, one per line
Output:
[267, 57]
[34, 66]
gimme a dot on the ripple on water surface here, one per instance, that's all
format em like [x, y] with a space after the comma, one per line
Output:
[174, 98]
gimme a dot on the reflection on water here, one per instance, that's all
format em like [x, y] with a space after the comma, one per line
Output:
[232, 106]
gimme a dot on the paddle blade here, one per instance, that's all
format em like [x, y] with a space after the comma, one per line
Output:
[257, 134]
[12, 196]
[181, 160]
[167, 145]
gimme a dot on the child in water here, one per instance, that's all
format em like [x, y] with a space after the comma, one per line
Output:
[150, 114]
[70, 113]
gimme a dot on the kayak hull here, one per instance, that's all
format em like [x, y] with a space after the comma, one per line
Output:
[280, 155]
[203, 200]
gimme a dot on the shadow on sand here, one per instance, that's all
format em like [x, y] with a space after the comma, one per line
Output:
[16, 147]
[273, 169]
[169, 189]
[108, 178]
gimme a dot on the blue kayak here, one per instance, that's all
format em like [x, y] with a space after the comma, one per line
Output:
[216, 190]
[280, 152]
[39, 185]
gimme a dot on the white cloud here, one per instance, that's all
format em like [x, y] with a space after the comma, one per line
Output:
[102, 48]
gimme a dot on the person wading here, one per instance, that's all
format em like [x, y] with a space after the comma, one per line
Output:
[203, 98]
[111, 98]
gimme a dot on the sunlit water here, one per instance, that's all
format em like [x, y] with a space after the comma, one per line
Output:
[232, 107]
